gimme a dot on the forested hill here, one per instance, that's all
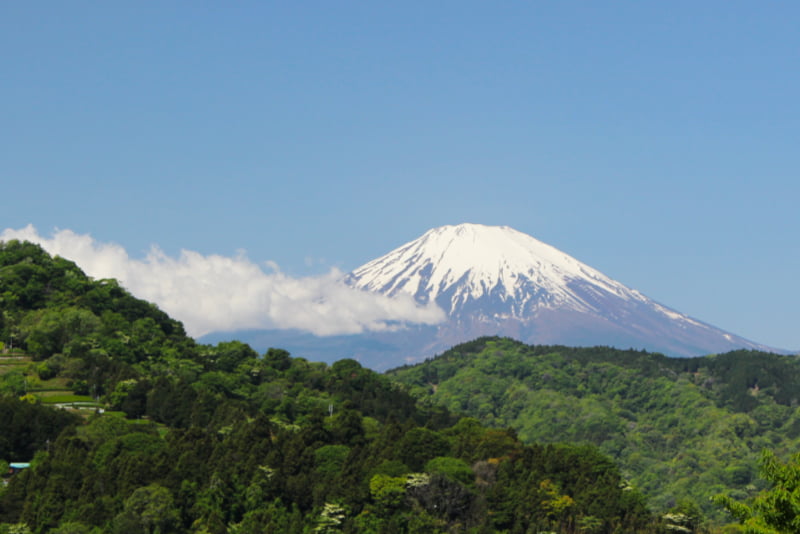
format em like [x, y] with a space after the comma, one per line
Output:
[53, 311]
[678, 428]
[129, 426]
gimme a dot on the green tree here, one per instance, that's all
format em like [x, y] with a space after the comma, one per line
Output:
[57, 329]
[451, 467]
[229, 355]
[775, 510]
[149, 510]
[329, 459]
[388, 492]
[419, 445]
[331, 518]
[278, 359]
[72, 527]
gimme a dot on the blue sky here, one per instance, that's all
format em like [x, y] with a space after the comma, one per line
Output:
[655, 141]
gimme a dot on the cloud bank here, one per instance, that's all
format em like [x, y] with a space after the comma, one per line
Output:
[219, 293]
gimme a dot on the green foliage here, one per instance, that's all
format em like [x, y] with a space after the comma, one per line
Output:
[330, 519]
[149, 509]
[28, 427]
[686, 516]
[452, 468]
[680, 429]
[387, 491]
[59, 330]
[776, 509]
[242, 472]
[329, 459]
[419, 445]
[72, 527]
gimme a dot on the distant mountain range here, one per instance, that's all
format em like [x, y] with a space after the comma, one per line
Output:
[494, 280]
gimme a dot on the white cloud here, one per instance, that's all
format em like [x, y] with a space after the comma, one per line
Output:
[214, 293]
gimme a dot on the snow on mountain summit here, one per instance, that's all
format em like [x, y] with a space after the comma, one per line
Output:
[459, 265]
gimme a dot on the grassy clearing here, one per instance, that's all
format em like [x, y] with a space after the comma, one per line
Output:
[13, 363]
[13, 353]
[50, 393]
[14, 360]
[67, 399]
[54, 384]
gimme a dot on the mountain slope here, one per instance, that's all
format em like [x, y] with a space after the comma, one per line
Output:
[494, 280]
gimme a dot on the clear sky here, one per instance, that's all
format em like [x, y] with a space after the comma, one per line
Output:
[654, 141]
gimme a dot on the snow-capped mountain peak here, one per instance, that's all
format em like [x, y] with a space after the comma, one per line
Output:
[457, 266]
[493, 280]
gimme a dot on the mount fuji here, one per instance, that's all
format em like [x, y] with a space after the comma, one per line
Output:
[494, 280]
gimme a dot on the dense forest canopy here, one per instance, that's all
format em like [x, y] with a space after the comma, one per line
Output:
[680, 428]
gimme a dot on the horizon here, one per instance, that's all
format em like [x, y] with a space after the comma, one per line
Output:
[652, 142]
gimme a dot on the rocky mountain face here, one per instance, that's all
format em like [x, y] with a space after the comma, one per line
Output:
[497, 281]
